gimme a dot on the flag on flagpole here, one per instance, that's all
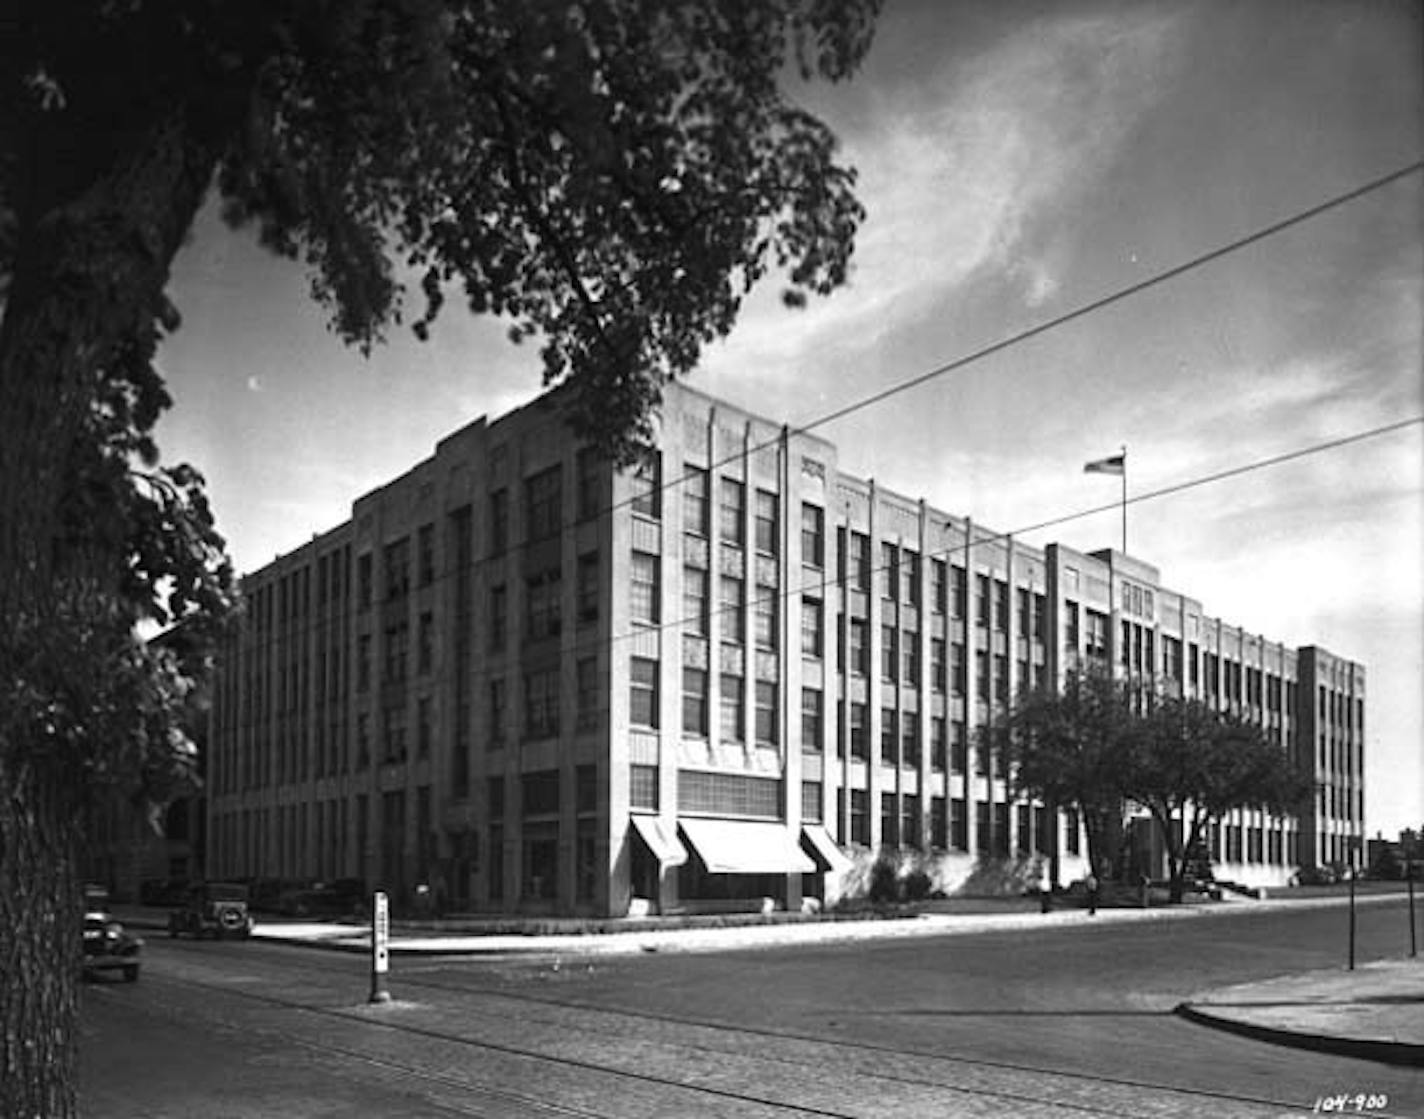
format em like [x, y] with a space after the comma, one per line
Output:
[1113, 464]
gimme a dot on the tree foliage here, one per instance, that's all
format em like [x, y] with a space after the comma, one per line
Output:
[611, 177]
[1102, 745]
[1192, 764]
[1069, 748]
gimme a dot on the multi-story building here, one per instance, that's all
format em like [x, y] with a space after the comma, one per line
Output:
[541, 684]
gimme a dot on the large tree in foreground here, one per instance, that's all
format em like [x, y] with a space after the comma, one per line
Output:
[1070, 748]
[1192, 764]
[609, 176]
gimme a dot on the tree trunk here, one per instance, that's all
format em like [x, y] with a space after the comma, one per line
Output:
[89, 272]
[40, 913]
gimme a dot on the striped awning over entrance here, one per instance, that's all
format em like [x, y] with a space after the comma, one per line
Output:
[746, 847]
[826, 849]
[661, 839]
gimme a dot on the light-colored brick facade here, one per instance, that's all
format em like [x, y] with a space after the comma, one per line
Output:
[544, 686]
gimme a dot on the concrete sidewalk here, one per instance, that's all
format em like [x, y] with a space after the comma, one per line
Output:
[1375, 1012]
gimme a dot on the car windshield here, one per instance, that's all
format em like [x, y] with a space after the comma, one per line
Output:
[222, 891]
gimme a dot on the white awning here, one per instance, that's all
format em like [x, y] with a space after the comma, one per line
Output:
[662, 840]
[826, 849]
[745, 847]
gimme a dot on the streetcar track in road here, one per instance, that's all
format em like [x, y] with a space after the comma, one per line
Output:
[1086, 1080]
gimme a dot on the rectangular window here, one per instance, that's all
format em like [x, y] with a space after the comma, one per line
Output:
[1001, 606]
[646, 480]
[643, 692]
[910, 820]
[543, 601]
[889, 570]
[425, 646]
[983, 601]
[694, 600]
[812, 634]
[889, 655]
[425, 554]
[937, 663]
[811, 707]
[397, 642]
[694, 702]
[541, 703]
[858, 562]
[958, 825]
[733, 510]
[813, 535]
[498, 712]
[939, 586]
[587, 589]
[889, 736]
[499, 521]
[910, 740]
[643, 588]
[543, 499]
[911, 644]
[910, 579]
[589, 479]
[889, 821]
[732, 611]
[423, 726]
[363, 663]
[860, 816]
[586, 670]
[811, 794]
[764, 616]
[1070, 626]
[766, 729]
[859, 646]
[732, 722]
[939, 744]
[766, 522]
[363, 581]
[859, 732]
[939, 824]
[694, 500]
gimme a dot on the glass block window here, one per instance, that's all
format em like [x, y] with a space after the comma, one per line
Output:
[643, 787]
[727, 794]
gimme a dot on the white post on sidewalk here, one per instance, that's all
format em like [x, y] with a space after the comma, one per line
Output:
[380, 946]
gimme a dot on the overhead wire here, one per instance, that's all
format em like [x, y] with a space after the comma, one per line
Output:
[1196, 262]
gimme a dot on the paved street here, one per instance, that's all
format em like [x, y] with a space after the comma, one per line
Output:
[1070, 1019]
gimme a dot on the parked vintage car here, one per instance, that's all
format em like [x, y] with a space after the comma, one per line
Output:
[219, 908]
[108, 946]
[342, 897]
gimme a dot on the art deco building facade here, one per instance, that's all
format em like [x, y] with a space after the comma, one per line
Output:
[542, 685]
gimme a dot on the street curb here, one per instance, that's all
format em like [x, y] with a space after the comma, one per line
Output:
[1369, 1049]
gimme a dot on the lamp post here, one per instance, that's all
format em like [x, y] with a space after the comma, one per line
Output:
[1409, 877]
[1353, 847]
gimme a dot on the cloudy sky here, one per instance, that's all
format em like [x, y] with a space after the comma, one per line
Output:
[1018, 161]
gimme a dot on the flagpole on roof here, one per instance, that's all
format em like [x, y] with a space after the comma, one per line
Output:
[1124, 499]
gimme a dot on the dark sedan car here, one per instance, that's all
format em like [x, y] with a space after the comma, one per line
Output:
[108, 946]
[219, 908]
